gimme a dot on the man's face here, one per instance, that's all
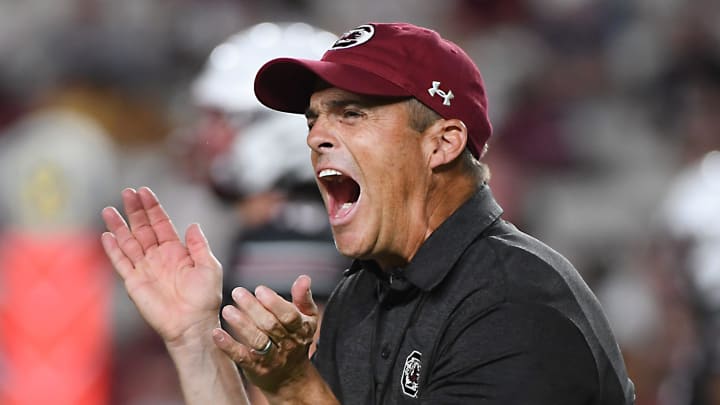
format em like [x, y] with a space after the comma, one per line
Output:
[373, 173]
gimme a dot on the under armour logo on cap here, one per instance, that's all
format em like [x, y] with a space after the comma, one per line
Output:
[435, 89]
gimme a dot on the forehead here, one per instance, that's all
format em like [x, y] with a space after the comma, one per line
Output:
[328, 94]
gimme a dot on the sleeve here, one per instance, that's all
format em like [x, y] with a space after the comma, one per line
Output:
[513, 354]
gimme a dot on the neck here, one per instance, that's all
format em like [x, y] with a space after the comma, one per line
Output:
[443, 198]
[449, 195]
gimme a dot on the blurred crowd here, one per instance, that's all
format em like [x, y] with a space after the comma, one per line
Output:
[606, 145]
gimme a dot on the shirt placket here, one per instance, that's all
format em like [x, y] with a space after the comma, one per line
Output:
[392, 322]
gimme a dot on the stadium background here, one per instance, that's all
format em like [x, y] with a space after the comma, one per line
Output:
[606, 146]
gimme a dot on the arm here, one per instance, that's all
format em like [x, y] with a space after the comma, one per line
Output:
[207, 375]
[176, 287]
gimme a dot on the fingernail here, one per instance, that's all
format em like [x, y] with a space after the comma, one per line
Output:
[237, 293]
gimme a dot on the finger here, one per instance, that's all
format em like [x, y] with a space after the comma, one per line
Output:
[261, 316]
[285, 312]
[120, 262]
[302, 296]
[162, 227]
[138, 219]
[199, 248]
[244, 328]
[238, 352]
[124, 238]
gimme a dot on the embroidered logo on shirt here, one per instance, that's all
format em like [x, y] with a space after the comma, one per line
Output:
[410, 380]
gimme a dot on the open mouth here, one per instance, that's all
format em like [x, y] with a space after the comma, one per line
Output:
[343, 192]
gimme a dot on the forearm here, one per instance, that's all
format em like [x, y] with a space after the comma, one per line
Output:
[308, 388]
[207, 375]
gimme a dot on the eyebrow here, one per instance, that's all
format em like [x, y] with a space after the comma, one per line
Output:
[311, 113]
[360, 101]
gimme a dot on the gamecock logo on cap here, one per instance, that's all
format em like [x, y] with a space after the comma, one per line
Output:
[354, 37]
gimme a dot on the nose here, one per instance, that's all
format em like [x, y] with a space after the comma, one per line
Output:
[320, 138]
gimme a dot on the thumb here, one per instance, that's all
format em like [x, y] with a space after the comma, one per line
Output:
[302, 296]
[198, 247]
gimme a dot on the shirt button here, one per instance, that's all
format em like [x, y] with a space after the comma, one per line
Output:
[385, 352]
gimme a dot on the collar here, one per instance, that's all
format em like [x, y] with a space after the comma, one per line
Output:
[437, 256]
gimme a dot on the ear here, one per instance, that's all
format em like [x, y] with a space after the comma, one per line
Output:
[446, 140]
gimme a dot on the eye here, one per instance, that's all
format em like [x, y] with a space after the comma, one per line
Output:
[352, 113]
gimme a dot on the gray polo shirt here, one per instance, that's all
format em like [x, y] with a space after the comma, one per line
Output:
[483, 314]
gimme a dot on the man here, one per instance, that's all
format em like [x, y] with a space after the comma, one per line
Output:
[445, 303]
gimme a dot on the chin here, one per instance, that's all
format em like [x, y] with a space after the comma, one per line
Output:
[349, 251]
[349, 245]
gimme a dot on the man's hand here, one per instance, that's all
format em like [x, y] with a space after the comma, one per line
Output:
[176, 287]
[289, 326]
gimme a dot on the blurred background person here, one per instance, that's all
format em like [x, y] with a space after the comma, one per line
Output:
[688, 217]
[263, 168]
[55, 293]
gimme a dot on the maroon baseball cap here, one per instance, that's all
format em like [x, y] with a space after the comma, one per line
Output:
[393, 60]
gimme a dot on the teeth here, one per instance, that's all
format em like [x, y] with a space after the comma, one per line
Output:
[329, 172]
[343, 209]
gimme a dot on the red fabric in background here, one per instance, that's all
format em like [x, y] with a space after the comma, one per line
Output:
[55, 342]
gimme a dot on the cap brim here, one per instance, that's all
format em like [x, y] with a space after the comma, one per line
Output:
[286, 84]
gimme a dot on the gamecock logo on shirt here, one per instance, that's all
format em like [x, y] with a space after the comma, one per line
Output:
[411, 374]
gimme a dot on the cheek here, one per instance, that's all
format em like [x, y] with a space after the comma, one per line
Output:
[392, 190]
[390, 161]
[403, 167]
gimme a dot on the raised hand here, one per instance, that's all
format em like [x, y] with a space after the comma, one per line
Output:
[176, 286]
